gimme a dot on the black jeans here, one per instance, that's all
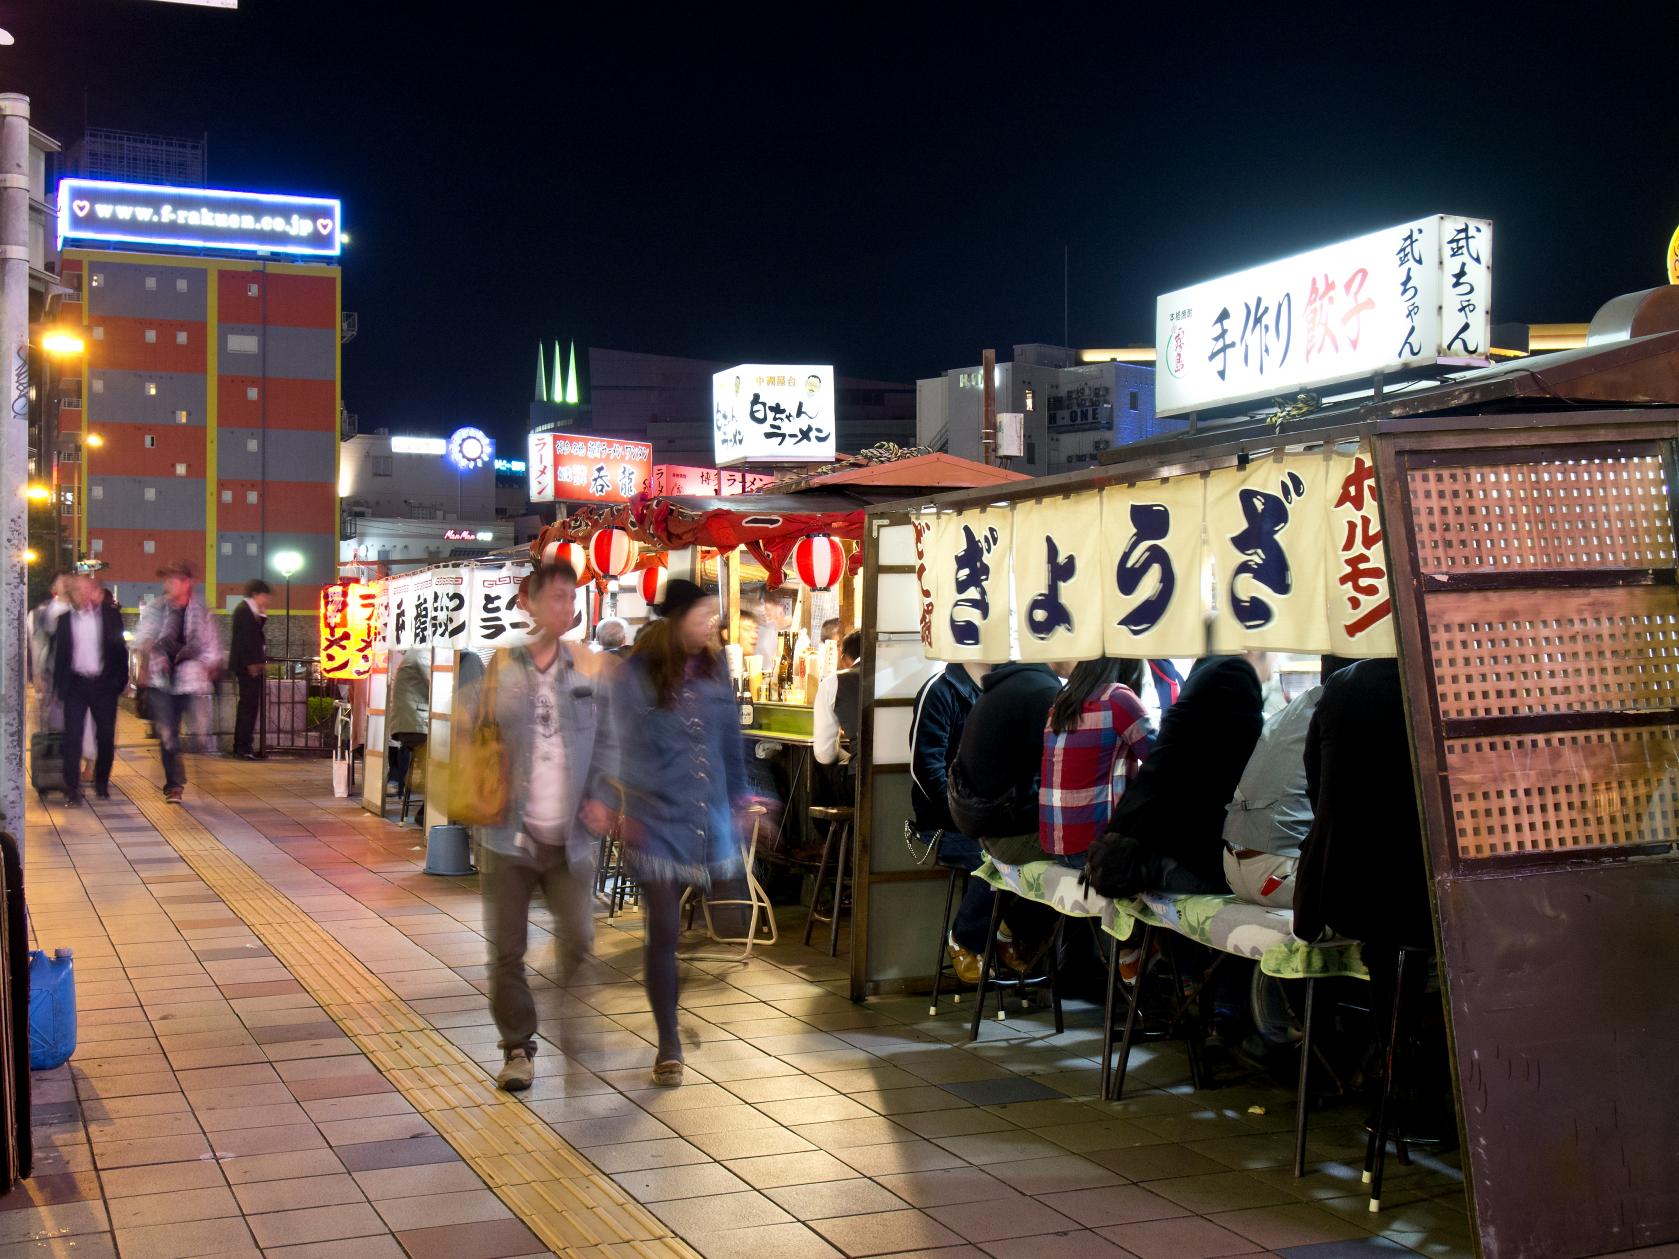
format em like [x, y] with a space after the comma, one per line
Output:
[89, 695]
[245, 720]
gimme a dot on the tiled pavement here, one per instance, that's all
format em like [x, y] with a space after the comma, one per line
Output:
[214, 1106]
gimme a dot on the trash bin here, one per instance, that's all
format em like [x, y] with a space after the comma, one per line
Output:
[448, 851]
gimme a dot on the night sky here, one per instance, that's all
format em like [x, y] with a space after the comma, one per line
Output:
[886, 187]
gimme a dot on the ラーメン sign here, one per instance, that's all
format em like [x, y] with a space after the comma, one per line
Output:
[571, 468]
[773, 413]
[198, 218]
[1406, 296]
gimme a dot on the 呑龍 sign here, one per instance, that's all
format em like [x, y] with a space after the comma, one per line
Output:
[566, 467]
[773, 413]
[1406, 296]
[197, 218]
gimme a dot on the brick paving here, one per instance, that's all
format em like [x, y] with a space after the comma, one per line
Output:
[215, 1107]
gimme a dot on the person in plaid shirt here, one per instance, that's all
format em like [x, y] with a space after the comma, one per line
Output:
[1098, 734]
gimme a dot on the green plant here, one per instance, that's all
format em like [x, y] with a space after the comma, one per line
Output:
[320, 711]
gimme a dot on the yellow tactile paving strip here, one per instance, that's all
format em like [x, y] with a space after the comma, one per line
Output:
[563, 1198]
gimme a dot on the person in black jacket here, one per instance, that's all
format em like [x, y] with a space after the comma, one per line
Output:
[1167, 832]
[941, 711]
[247, 661]
[90, 670]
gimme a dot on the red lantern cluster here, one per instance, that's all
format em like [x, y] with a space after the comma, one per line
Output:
[819, 560]
[612, 552]
[653, 583]
[568, 553]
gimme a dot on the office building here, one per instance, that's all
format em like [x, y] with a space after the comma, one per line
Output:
[409, 500]
[1071, 410]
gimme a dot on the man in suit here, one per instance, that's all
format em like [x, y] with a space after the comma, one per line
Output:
[90, 670]
[247, 661]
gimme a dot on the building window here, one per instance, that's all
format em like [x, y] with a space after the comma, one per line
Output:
[250, 497]
[151, 441]
[250, 548]
[151, 389]
[180, 286]
[180, 338]
[227, 548]
[227, 496]
[98, 279]
[151, 284]
[1031, 400]
[1133, 399]
[250, 393]
[97, 545]
[149, 547]
[1031, 451]
[180, 417]
[151, 336]
[382, 465]
[98, 384]
[180, 469]
[252, 445]
[251, 290]
[98, 492]
[241, 343]
[150, 494]
[98, 332]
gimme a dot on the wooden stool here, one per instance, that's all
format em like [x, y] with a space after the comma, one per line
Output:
[837, 845]
[415, 743]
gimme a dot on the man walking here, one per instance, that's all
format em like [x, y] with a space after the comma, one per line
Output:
[179, 657]
[544, 696]
[90, 668]
[247, 661]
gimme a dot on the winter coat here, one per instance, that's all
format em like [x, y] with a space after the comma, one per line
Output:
[993, 786]
[198, 659]
[941, 711]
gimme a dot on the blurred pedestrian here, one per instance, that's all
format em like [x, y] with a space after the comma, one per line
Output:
[90, 665]
[180, 655]
[248, 662]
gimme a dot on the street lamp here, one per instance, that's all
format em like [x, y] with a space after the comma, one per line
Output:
[60, 341]
[288, 564]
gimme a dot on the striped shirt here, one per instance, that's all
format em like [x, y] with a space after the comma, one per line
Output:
[1077, 788]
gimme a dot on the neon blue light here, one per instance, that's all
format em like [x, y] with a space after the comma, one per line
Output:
[90, 194]
[470, 448]
[517, 466]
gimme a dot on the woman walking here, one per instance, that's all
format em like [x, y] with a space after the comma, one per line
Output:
[672, 755]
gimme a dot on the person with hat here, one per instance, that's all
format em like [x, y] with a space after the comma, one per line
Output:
[673, 776]
[180, 654]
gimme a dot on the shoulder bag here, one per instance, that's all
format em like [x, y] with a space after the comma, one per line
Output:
[478, 778]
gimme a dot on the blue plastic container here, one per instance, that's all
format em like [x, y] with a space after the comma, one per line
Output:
[52, 1009]
[449, 851]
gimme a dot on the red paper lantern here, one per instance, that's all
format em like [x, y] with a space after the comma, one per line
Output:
[653, 582]
[819, 561]
[568, 553]
[612, 552]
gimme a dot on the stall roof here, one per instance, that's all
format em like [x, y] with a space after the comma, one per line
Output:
[923, 472]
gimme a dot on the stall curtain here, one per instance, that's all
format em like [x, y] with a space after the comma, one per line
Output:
[1284, 554]
[464, 608]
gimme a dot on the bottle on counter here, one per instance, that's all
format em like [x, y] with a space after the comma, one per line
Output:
[744, 695]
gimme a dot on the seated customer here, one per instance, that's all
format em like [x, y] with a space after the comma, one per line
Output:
[941, 712]
[1167, 831]
[1362, 874]
[1269, 814]
[1097, 737]
[994, 783]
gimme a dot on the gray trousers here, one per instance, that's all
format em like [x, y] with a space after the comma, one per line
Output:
[507, 884]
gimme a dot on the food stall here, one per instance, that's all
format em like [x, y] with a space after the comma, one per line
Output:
[1509, 535]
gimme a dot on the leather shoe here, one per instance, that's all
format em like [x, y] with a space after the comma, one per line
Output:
[1008, 955]
[964, 962]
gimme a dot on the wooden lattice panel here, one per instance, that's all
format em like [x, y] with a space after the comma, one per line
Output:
[1501, 653]
[1573, 790]
[1609, 513]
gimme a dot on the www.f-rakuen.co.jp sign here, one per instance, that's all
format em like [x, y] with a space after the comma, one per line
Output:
[773, 413]
[1406, 296]
[197, 218]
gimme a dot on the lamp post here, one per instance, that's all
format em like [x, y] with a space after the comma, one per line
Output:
[288, 564]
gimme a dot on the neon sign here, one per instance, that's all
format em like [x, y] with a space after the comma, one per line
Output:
[199, 218]
[469, 448]
[419, 446]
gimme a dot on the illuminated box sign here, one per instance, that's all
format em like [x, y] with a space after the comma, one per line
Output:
[570, 468]
[1407, 296]
[197, 218]
[675, 480]
[468, 535]
[773, 413]
[419, 445]
[510, 467]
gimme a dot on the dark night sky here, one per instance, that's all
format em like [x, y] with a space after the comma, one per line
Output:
[885, 187]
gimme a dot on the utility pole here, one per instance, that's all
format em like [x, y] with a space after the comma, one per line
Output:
[14, 448]
[988, 423]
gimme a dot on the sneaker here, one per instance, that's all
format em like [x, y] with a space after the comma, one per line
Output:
[173, 795]
[72, 802]
[517, 1071]
[963, 961]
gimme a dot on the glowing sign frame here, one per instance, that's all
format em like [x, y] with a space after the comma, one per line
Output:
[76, 224]
[462, 443]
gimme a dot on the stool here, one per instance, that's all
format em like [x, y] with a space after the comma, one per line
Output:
[414, 743]
[1051, 977]
[837, 844]
[1375, 1151]
[942, 964]
[756, 897]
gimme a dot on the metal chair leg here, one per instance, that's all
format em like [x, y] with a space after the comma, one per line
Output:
[1130, 1019]
[842, 859]
[939, 958]
[1302, 1097]
[821, 878]
[985, 963]
[1180, 1016]
[1376, 1151]
[1108, 1016]
[1055, 974]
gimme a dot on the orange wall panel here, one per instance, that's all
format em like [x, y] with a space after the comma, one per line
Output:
[124, 348]
[124, 550]
[292, 507]
[287, 301]
[307, 405]
[125, 452]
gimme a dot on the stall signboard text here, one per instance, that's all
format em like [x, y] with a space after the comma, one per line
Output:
[1406, 296]
[573, 468]
[349, 629]
[773, 413]
[675, 480]
[1285, 554]
[461, 608]
[197, 218]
